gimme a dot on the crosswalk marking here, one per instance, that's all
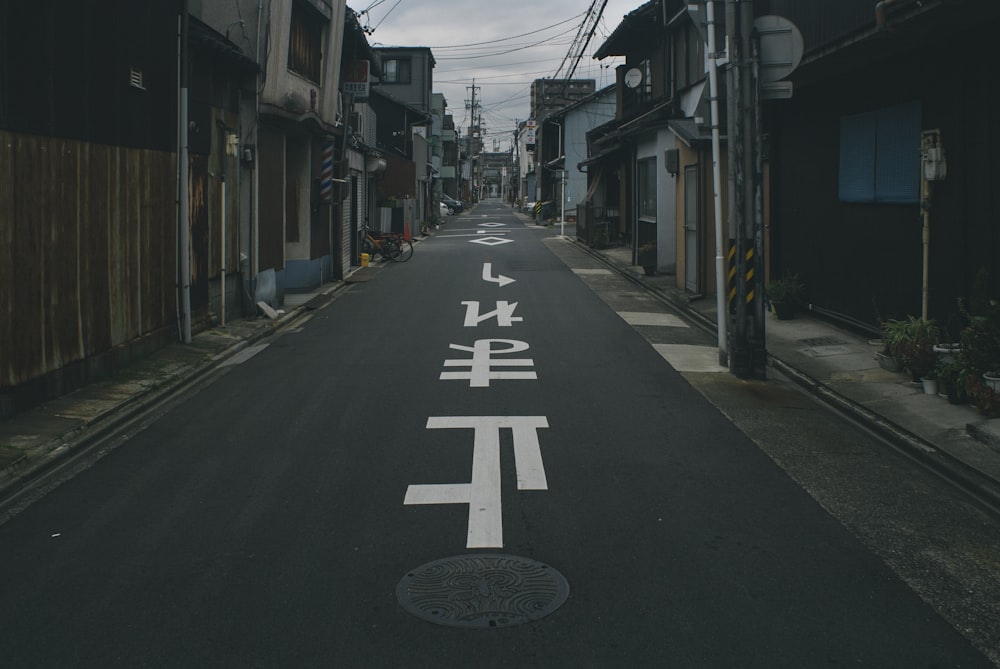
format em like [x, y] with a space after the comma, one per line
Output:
[652, 318]
[688, 358]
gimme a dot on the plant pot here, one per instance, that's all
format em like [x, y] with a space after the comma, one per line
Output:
[783, 310]
[887, 362]
[947, 353]
[992, 381]
[956, 394]
[930, 386]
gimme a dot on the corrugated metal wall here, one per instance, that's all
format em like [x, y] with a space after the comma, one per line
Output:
[87, 250]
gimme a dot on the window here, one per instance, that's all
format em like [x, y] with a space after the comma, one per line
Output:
[880, 155]
[647, 189]
[305, 42]
[396, 71]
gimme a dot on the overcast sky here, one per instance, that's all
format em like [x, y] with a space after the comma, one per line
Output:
[503, 44]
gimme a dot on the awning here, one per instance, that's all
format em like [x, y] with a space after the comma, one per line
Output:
[598, 158]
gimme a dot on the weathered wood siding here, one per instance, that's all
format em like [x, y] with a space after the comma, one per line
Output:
[87, 250]
[824, 21]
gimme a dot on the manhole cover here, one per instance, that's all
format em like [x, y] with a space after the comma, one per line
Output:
[484, 591]
[822, 341]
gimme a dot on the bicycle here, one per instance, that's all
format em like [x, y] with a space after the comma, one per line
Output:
[390, 245]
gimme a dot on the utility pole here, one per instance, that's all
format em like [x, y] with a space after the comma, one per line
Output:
[747, 351]
[473, 107]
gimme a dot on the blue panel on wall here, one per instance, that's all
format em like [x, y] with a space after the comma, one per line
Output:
[857, 158]
[897, 170]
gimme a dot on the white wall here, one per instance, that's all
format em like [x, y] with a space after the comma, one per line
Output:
[653, 145]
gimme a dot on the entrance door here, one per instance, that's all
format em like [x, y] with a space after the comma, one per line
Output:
[692, 256]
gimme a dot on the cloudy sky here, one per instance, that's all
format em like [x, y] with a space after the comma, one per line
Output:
[503, 44]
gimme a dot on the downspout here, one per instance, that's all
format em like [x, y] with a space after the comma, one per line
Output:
[177, 188]
[222, 256]
[720, 258]
[183, 169]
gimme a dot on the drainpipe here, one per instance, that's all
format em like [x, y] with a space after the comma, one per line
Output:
[222, 256]
[184, 234]
[720, 259]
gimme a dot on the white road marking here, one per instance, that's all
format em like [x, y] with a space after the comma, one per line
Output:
[445, 493]
[652, 318]
[687, 358]
[504, 314]
[482, 363]
[244, 355]
[499, 278]
[483, 494]
[492, 241]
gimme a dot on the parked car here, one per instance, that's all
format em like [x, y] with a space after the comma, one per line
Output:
[454, 205]
[443, 209]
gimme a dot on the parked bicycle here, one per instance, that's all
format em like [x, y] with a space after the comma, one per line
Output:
[390, 245]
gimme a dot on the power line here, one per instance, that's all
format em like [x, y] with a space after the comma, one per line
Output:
[505, 39]
[583, 47]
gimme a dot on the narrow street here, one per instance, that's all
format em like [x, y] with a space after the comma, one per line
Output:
[496, 454]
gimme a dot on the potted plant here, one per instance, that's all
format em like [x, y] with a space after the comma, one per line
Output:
[912, 341]
[893, 333]
[980, 342]
[647, 258]
[951, 377]
[785, 294]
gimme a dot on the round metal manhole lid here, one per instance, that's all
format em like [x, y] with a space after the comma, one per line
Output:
[482, 591]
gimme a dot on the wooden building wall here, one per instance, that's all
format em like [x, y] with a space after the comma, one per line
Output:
[864, 260]
[87, 237]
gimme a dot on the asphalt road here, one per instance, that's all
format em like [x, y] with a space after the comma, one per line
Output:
[261, 520]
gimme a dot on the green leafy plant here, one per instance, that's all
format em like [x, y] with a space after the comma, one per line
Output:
[912, 341]
[980, 338]
[952, 376]
[789, 289]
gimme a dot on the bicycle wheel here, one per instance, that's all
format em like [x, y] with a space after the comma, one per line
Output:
[391, 250]
[405, 250]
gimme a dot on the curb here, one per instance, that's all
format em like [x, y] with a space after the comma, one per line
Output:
[46, 457]
[982, 488]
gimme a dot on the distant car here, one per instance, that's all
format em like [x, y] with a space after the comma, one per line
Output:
[444, 210]
[454, 205]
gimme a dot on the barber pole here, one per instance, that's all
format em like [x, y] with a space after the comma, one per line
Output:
[326, 173]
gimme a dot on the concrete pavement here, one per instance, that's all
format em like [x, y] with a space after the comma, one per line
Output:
[835, 365]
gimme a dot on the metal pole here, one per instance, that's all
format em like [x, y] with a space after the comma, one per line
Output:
[183, 223]
[222, 256]
[721, 288]
[562, 196]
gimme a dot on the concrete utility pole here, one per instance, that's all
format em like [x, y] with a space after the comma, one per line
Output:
[473, 107]
[747, 351]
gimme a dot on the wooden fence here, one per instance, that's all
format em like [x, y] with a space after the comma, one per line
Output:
[87, 255]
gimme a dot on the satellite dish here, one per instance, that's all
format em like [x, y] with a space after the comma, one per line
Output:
[633, 77]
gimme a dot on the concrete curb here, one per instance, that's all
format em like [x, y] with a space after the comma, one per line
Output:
[49, 455]
[981, 487]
